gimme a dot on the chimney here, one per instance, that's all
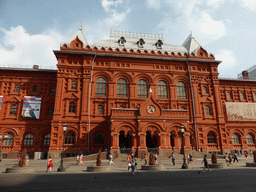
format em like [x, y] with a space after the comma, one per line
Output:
[35, 67]
[245, 75]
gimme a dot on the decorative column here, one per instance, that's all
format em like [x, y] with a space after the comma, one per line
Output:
[142, 149]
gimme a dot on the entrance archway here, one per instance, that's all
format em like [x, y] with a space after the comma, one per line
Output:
[172, 139]
[152, 140]
[125, 141]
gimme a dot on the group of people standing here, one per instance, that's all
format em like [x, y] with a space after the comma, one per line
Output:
[79, 159]
[132, 164]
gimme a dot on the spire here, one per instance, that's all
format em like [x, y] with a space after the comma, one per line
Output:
[80, 35]
[191, 44]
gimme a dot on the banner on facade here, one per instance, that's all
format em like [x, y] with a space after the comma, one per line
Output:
[31, 107]
[241, 111]
[1, 101]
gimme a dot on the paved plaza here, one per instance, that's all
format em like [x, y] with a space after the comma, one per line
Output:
[233, 178]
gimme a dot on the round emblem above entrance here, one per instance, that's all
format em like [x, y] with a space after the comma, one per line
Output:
[151, 109]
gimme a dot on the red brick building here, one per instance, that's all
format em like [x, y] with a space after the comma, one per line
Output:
[131, 92]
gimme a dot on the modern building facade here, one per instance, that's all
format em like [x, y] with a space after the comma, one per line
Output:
[131, 92]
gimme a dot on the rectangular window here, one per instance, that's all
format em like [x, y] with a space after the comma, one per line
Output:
[53, 89]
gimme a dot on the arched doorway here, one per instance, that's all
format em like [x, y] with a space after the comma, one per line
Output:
[125, 141]
[152, 141]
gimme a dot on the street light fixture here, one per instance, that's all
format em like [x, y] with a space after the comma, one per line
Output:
[182, 129]
[5, 137]
[61, 168]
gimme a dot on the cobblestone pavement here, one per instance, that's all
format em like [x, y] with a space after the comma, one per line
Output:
[119, 166]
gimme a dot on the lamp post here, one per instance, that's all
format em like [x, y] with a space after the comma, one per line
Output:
[182, 129]
[61, 168]
[5, 137]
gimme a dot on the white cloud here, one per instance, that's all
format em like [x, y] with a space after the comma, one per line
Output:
[154, 4]
[208, 26]
[228, 61]
[116, 10]
[106, 4]
[21, 49]
[251, 4]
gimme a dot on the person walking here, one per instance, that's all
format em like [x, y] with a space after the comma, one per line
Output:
[205, 163]
[136, 166]
[77, 159]
[226, 159]
[27, 162]
[241, 152]
[245, 155]
[235, 157]
[133, 166]
[173, 159]
[156, 158]
[230, 159]
[110, 159]
[188, 158]
[18, 157]
[49, 165]
[250, 152]
[81, 160]
[145, 159]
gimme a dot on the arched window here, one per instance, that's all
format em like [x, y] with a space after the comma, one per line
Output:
[211, 138]
[249, 139]
[72, 107]
[50, 110]
[73, 85]
[70, 138]
[47, 139]
[8, 141]
[121, 88]
[181, 90]
[229, 95]
[242, 96]
[101, 87]
[205, 90]
[121, 107]
[35, 89]
[162, 89]
[207, 110]
[99, 139]
[142, 89]
[100, 109]
[28, 140]
[235, 139]
[17, 88]
[13, 110]
[182, 108]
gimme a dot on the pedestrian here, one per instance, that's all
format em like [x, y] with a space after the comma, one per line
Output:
[18, 157]
[241, 152]
[173, 159]
[81, 160]
[226, 159]
[27, 162]
[245, 155]
[156, 158]
[205, 163]
[250, 152]
[49, 165]
[145, 159]
[230, 159]
[235, 157]
[188, 158]
[110, 159]
[77, 159]
[133, 166]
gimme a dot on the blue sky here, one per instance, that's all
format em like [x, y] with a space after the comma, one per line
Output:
[31, 29]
